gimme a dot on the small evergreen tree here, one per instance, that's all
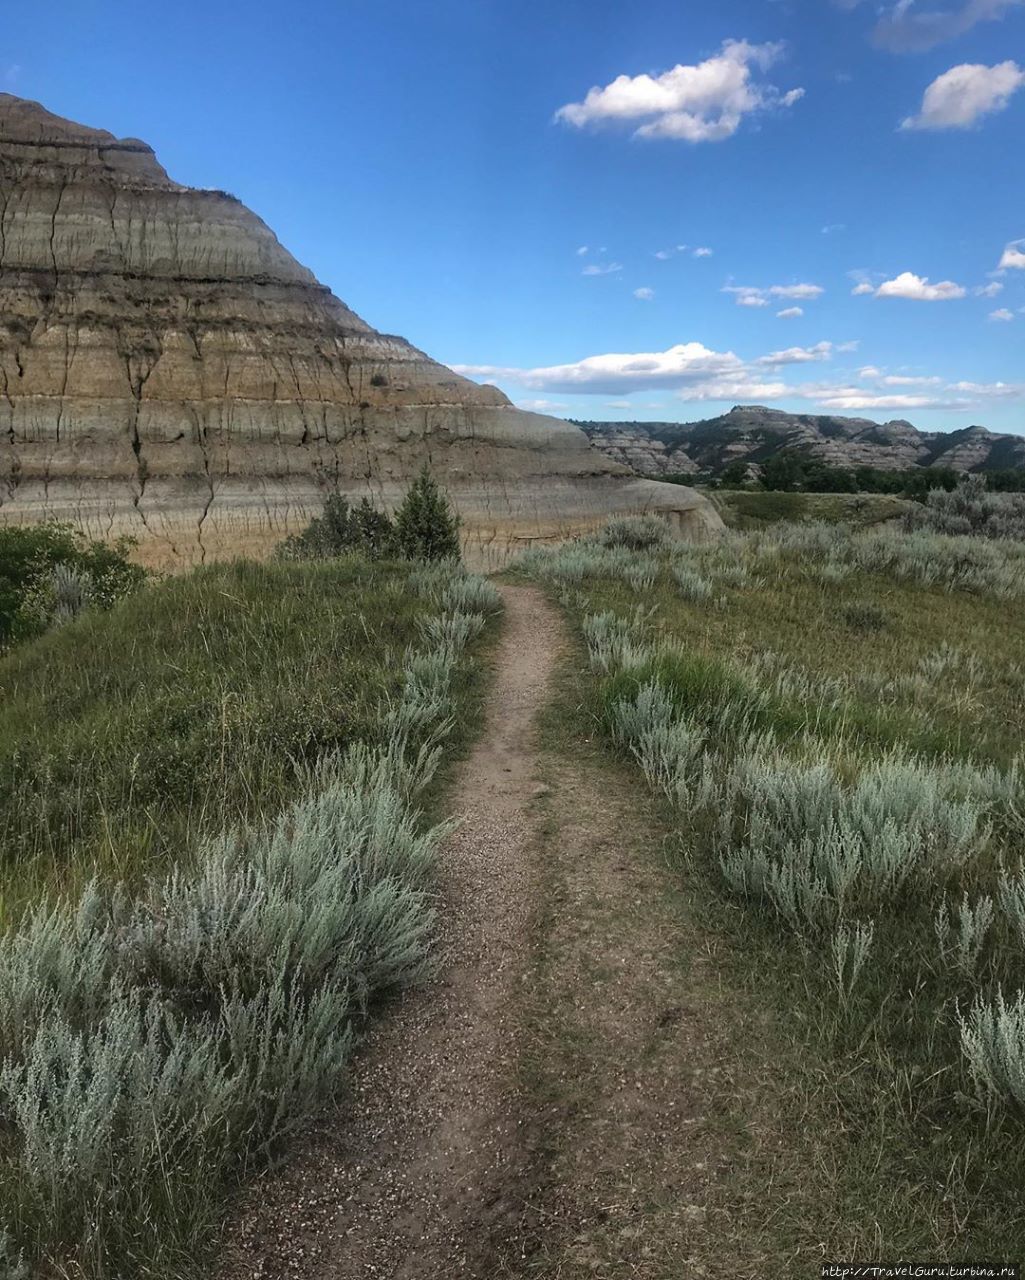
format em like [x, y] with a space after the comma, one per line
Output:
[426, 528]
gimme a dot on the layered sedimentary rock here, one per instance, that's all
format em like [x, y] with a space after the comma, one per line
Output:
[169, 371]
[753, 433]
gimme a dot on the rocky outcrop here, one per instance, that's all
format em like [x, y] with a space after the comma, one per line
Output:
[169, 371]
[753, 433]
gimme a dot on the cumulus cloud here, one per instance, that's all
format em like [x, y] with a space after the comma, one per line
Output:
[961, 96]
[601, 268]
[1013, 258]
[992, 289]
[798, 355]
[1001, 313]
[701, 103]
[790, 313]
[703, 251]
[861, 289]
[644, 294]
[908, 285]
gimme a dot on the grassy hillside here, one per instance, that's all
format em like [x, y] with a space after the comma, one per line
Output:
[747, 510]
[215, 864]
[833, 718]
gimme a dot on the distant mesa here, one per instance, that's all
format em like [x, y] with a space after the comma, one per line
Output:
[752, 433]
[171, 372]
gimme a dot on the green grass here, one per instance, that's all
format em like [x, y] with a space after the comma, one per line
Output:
[744, 510]
[246, 758]
[126, 735]
[799, 655]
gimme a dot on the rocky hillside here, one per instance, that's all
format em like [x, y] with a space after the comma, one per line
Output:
[168, 370]
[752, 433]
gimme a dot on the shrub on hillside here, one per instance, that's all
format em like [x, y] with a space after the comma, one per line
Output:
[636, 533]
[424, 528]
[49, 573]
[341, 529]
[971, 509]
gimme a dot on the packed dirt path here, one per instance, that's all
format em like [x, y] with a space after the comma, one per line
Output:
[582, 1093]
[418, 1176]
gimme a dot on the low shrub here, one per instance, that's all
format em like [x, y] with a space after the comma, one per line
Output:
[50, 573]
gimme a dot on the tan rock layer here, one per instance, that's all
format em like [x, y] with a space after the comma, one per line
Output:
[169, 371]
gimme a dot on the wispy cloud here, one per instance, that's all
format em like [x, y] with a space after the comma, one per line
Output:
[790, 313]
[907, 26]
[753, 296]
[644, 294]
[1001, 313]
[705, 102]
[962, 96]
[601, 268]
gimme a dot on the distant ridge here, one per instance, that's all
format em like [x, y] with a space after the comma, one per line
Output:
[753, 433]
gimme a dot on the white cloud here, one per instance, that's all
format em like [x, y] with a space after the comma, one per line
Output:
[644, 294]
[860, 290]
[602, 268]
[833, 227]
[853, 345]
[615, 373]
[749, 296]
[738, 391]
[582, 251]
[790, 313]
[908, 285]
[702, 251]
[1013, 258]
[697, 373]
[541, 406]
[963, 95]
[663, 255]
[1001, 314]
[848, 398]
[798, 355]
[702, 103]
[988, 290]
[990, 390]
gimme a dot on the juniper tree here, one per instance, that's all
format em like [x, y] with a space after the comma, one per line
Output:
[426, 528]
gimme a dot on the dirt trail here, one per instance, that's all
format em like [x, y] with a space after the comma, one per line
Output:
[420, 1174]
[581, 1094]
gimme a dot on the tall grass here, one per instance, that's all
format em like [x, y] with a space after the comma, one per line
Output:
[159, 1039]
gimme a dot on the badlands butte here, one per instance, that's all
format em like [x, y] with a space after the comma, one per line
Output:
[169, 371]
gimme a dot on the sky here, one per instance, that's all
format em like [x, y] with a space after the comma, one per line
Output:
[615, 211]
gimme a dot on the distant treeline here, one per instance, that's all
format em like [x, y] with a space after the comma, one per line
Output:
[792, 471]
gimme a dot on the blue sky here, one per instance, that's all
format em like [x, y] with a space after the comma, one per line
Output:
[442, 163]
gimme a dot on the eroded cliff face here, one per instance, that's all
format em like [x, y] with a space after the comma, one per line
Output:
[169, 371]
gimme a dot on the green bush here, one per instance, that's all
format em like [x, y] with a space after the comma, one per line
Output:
[341, 529]
[49, 573]
[426, 528]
